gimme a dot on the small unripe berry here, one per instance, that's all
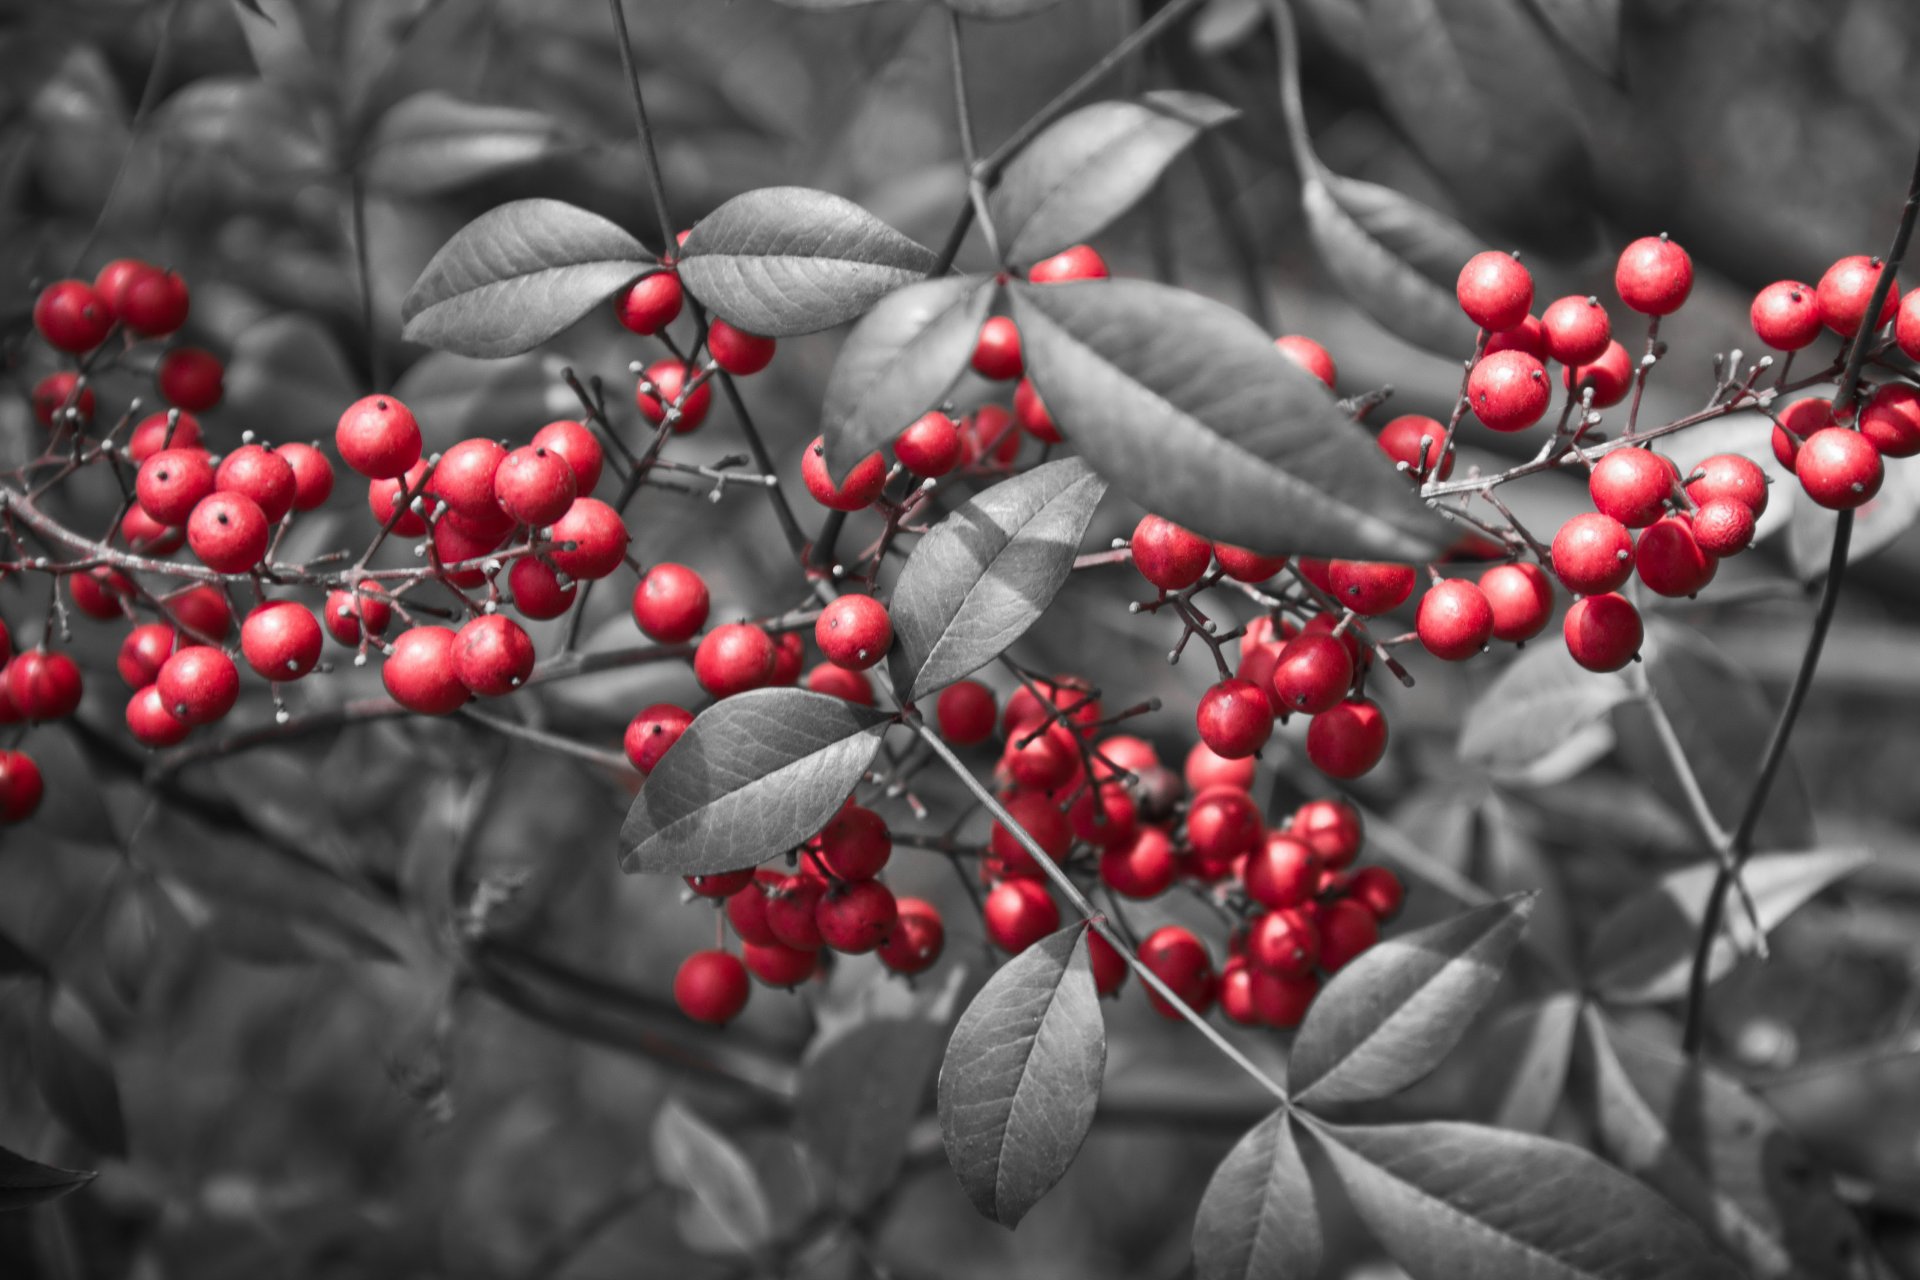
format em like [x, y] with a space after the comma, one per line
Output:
[1654, 276]
[1455, 620]
[663, 384]
[931, 445]
[711, 987]
[1234, 718]
[281, 640]
[1786, 315]
[1577, 330]
[855, 493]
[650, 303]
[737, 351]
[996, 353]
[420, 673]
[1846, 290]
[1308, 355]
[966, 713]
[1592, 554]
[651, 732]
[228, 532]
[198, 684]
[1349, 739]
[1494, 290]
[733, 658]
[378, 437]
[1839, 469]
[1603, 632]
[492, 656]
[1508, 390]
[670, 603]
[1632, 486]
[1168, 556]
[190, 379]
[1521, 598]
[854, 632]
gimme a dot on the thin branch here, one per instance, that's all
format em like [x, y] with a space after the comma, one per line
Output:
[649, 155]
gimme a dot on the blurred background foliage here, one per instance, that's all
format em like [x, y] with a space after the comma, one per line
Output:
[295, 1040]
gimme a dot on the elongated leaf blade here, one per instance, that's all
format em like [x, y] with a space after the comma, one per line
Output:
[1589, 29]
[1642, 951]
[780, 261]
[1258, 1217]
[25, 1183]
[1523, 1057]
[1465, 1202]
[1185, 405]
[433, 142]
[1394, 258]
[516, 276]
[900, 361]
[692, 1155]
[1091, 166]
[1544, 707]
[74, 1073]
[754, 775]
[986, 573]
[1391, 1015]
[1022, 1076]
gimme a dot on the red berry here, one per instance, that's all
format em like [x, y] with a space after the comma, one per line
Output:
[383, 500]
[71, 317]
[1081, 262]
[1577, 330]
[259, 474]
[1203, 770]
[1331, 828]
[43, 685]
[1603, 632]
[198, 684]
[1401, 440]
[1632, 486]
[733, 658]
[1247, 566]
[855, 844]
[789, 652]
[1610, 377]
[1348, 740]
[1906, 329]
[190, 378]
[152, 303]
[915, 941]
[281, 640]
[854, 632]
[720, 884]
[312, 475]
[930, 446]
[1312, 673]
[536, 589]
[992, 436]
[159, 431]
[1040, 819]
[711, 987]
[420, 673]
[663, 387]
[651, 732]
[1283, 872]
[1891, 420]
[1109, 966]
[1730, 476]
[114, 277]
[228, 532]
[1143, 867]
[1173, 955]
[1222, 824]
[1455, 620]
[21, 786]
[463, 478]
[1284, 942]
[1521, 598]
[855, 493]
[1234, 718]
[737, 351]
[534, 485]
[856, 917]
[60, 394]
[1796, 423]
[839, 682]
[650, 303]
[378, 437]
[1494, 290]
[1018, 913]
[996, 354]
[1030, 411]
[1104, 815]
[1308, 355]
[1043, 759]
[150, 723]
[492, 656]
[1786, 315]
[1846, 290]
[1378, 890]
[1528, 337]
[579, 446]
[1508, 390]
[791, 913]
[172, 482]
[1592, 554]
[1839, 469]
[778, 965]
[1068, 695]
[1368, 587]
[201, 611]
[1723, 527]
[1654, 276]
[348, 611]
[599, 536]
[1168, 556]
[453, 545]
[1670, 561]
[670, 604]
[966, 713]
[1347, 929]
[141, 655]
[142, 533]
[101, 592]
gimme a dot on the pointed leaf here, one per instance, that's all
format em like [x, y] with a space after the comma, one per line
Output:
[24, 1182]
[71, 1067]
[1543, 707]
[1091, 166]
[1391, 1015]
[786, 260]
[1193, 414]
[1722, 1157]
[754, 775]
[1589, 29]
[691, 1155]
[1022, 1076]
[517, 275]
[1394, 258]
[1465, 1202]
[1511, 861]
[1258, 1217]
[433, 143]
[1524, 1057]
[986, 573]
[900, 361]
[1642, 951]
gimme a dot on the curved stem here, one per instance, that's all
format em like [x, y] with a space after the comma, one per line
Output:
[649, 155]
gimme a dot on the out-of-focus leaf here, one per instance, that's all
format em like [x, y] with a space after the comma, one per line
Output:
[1022, 1077]
[288, 379]
[1642, 950]
[780, 261]
[278, 41]
[1258, 1217]
[25, 1183]
[517, 275]
[899, 361]
[1511, 862]
[1391, 1015]
[754, 775]
[456, 397]
[1589, 28]
[433, 143]
[986, 573]
[1091, 166]
[1540, 704]
[999, 10]
[1394, 258]
[71, 1067]
[255, 125]
[691, 1155]
[17, 961]
[1144, 372]
[1523, 1057]
[1876, 522]
[1722, 1157]
[1223, 25]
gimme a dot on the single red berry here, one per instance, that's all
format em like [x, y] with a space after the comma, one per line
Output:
[1081, 262]
[1032, 415]
[778, 965]
[1723, 527]
[1521, 598]
[152, 303]
[71, 317]
[663, 387]
[1906, 328]
[1180, 960]
[1455, 620]
[992, 436]
[1308, 355]
[536, 589]
[114, 277]
[348, 611]
[190, 378]
[651, 732]
[1044, 758]
[1348, 740]
[599, 536]
[1104, 815]
[1284, 942]
[791, 911]
[579, 446]
[60, 396]
[1494, 290]
[737, 351]
[1577, 330]
[1528, 337]
[534, 485]
[1593, 554]
[21, 786]
[492, 656]
[150, 723]
[838, 682]
[1508, 390]
[1168, 556]
[720, 884]
[420, 674]
[1222, 824]
[855, 917]
[854, 632]
[711, 987]
[1402, 440]
[172, 482]
[463, 478]
[1018, 913]
[1283, 872]
[1730, 476]
[228, 532]
[200, 611]
[1839, 469]
[733, 658]
[1378, 890]
[855, 844]
[1671, 561]
[1312, 673]
[966, 713]
[1654, 276]
[1786, 315]
[142, 533]
[159, 431]
[1234, 718]
[789, 654]
[101, 592]
[1331, 828]
[855, 493]
[1247, 566]
[1610, 377]
[930, 446]
[670, 603]
[1369, 587]
[1846, 290]
[1040, 819]
[1109, 966]
[1204, 770]
[1796, 423]
[1603, 632]
[1347, 929]
[996, 354]
[650, 303]
[260, 474]
[1633, 486]
[281, 640]
[44, 685]
[1144, 867]
[312, 475]
[142, 653]
[199, 684]
[916, 939]
[1067, 694]
[378, 437]
[1891, 419]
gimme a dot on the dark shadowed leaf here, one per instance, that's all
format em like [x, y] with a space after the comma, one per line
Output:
[785, 260]
[1642, 950]
[1876, 523]
[986, 573]
[1390, 1016]
[900, 361]
[1394, 258]
[1543, 710]
[75, 1076]
[278, 42]
[433, 143]
[17, 961]
[1258, 1217]
[455, 397]
[691, 1155]
[1091, 166]
[1022, 1076]
[288, 379]
[1590, 29]
[1145, 372]
[1523, 1057]
[1721, 1156]
[1465, 1202]
[517, 275]
[1511, 861]
[999, 10]
[754, 775]
[24, 1182]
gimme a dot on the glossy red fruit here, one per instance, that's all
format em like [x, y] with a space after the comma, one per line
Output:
[44, 685]
[536, 589]
[21, 786]
[1312, 672]
[931, 445]
[1786, 315]
[1603, 632]
[200, 611]
[1309, 355]
[159, 431]
[312, 475]
[663, 388]
[966, 713]
[1521, 597]
[101, 592]
[1067, 694]
[152, 303]
[1222, 824]
[1043, 758]
[198, 684]
[61, 395]
[348, 611]
[838, 682]
[1730, 476]
[651, 732]
[1592, 554]
[260, 474]
[281, 640]
[996, 353]
[71, 317]
[147, 536]
[650, 303]
[114, 277]
[1284, 942]
[172, 482]
[1018, 913]
[420, 674]
[142, 654]
[1654, 276]
[384, 502]
[720, 884]
[1795, 423]
[1081, 262]
[1234, 718]
[1839, 469]
[1204, 770]
[737, 351]
[534, 485]
[1180, 960]
[1369, 587]
[1378, 890]
[378, 437]
[1577, 330]
[1347, 929]
[492, 656]
[711, 987]
[916, 939]
[1168, 556]
[1348, 740]
[190, 378]
[151, 724]
[1610, 377]
[1632, 485]
[992, 436]
[789, 653]
[1247, 566]
[1032, 415]
[1041, 819]
[464, 479]
[1528, 336]
[670, 604]
[1723, 527]
[1331, 828]
[778, 965]
[1846, 290]
[579, 446]
[855, 917]
[599, 536]
[854, 632]
[1891, 420]
[733, 658]
[1109, 966]
[1402, 440]
[1906, 328]
[1455, 620]
[1508, 390]
[855, 844]
[1283, 872]
[228, 532]
[856, 492]
[791, 912]
[1104, 815]
[1494, 290]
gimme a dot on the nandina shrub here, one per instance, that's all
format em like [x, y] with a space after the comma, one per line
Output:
[1427, 868]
